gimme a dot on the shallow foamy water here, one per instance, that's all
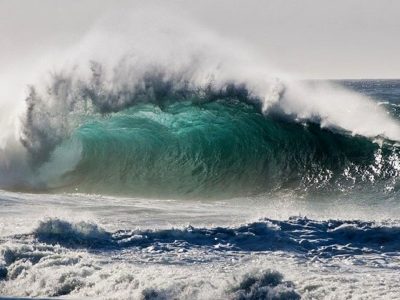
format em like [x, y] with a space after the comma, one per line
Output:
[77, 246]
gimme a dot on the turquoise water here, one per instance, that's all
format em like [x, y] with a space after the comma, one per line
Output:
[220, 148]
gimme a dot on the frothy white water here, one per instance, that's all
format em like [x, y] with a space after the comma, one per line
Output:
[335, 107]
[73, 255]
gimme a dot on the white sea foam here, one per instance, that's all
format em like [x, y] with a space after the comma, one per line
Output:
[76, 260]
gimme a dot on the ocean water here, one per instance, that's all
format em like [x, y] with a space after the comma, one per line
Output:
[165, 189]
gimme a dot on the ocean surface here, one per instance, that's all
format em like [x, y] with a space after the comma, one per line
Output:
[173, 191]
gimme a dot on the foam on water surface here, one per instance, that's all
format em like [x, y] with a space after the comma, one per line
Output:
[212, 252]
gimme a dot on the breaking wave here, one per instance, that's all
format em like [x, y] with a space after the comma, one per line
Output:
[167, 116]
[218, 144]
[197, 144]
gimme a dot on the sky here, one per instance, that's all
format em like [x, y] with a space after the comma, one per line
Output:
[306, 38]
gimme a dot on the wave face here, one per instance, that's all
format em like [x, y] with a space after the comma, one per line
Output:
[181, 142]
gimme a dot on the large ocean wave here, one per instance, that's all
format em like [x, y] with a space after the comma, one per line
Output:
[173, 116]
[164, 141]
